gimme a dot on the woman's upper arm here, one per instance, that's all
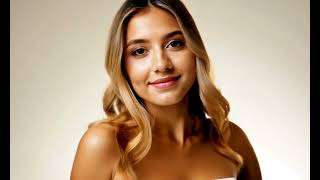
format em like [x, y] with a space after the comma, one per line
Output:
[97, 155]
[240, 143]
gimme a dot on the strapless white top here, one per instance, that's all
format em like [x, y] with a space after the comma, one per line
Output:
[230, 178]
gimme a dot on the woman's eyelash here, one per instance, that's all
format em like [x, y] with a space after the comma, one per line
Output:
[175, 43]
[138, 52]
[171, 44]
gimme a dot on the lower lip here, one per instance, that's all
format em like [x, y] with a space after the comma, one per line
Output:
[165, 85]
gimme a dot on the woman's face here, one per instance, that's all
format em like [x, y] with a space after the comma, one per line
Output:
[160, 66]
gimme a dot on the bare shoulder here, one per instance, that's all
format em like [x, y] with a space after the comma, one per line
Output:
[97, 154]
[237, 136]
[240, 143]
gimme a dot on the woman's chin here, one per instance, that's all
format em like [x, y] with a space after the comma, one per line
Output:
[165, 101]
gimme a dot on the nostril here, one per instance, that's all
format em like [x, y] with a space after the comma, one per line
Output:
[163, 67]
[167, 69]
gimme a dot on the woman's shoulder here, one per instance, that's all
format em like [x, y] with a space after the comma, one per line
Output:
[102, 133]
[97, 154]
[240, 143]
[236, 131]
[238, 139]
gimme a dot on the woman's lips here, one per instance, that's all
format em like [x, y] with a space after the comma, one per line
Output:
[166, 82]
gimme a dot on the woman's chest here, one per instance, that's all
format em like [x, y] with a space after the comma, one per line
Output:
[201, 163]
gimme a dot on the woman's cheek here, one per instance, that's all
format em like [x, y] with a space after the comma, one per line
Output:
[138, 71]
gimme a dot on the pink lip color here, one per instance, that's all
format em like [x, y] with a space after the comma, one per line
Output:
[165, 84]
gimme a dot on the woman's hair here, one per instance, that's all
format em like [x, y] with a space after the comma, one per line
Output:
[125, 109]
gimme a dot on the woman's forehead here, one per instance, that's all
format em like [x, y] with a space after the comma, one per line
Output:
[151, 22]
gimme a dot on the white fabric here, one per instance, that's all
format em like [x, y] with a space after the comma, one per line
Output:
[230, 178]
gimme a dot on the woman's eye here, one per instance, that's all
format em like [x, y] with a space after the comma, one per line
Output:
[138, 52]
[175, 43]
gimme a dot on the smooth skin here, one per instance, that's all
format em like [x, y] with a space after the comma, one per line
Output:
[156, 49]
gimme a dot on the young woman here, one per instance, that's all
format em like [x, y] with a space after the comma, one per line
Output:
[166, 119]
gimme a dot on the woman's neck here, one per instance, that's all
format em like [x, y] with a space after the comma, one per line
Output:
[172, 123]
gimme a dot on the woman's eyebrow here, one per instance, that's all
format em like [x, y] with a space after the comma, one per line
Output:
[171, 34]
[137, 41]
[167, 36]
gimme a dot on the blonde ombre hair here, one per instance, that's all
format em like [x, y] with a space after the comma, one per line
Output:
[125, 109]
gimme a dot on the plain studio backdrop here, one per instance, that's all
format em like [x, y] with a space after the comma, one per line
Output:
[259, 51]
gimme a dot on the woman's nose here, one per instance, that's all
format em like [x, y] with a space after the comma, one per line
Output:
[161, 62]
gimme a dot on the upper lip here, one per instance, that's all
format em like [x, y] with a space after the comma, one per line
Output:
[166, 79]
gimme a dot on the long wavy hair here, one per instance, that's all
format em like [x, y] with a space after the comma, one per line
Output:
[124, 108]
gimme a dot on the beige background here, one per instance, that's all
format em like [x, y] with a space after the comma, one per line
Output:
[260, 51]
